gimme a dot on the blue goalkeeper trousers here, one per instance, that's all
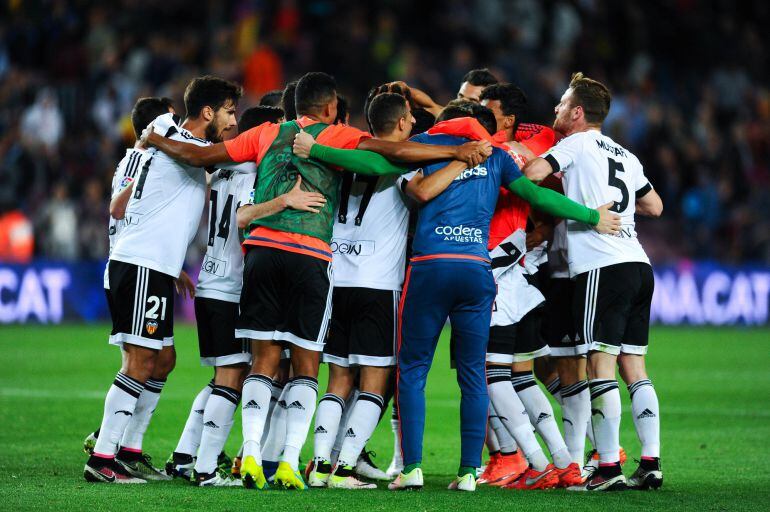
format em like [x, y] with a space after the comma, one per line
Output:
[463, 291]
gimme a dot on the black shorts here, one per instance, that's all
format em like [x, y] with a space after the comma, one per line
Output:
[559, 328]
[519, 342]
[286, 297]
[111, 307]
[142, 306]
[612, 307]
[363, 328]
[216, 333]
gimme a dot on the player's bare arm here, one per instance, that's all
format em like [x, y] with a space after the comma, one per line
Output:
[650, 204]
[119, 202]
[424, 188]
[190, 154]
[420, 98]
[537, 169]
[472, 153]
[296, 199]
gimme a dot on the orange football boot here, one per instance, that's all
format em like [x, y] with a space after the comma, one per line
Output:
[531, 479]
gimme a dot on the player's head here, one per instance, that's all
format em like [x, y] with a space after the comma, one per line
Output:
[255, 116]
[316, 96]
[287, 101]
[146, 110]
[474, 82]
[393, 87]
[272, 98]
[586, 103]
[343, 111]
[213, 100]
[390, 117]
[423, 121]
[463, 108]
[507, 102]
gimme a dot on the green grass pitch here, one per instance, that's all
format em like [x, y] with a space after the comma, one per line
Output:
[713, 388]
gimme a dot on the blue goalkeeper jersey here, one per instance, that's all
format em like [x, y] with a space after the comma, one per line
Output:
[456, 222]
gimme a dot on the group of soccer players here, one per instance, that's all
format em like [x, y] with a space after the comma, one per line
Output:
[353, 248]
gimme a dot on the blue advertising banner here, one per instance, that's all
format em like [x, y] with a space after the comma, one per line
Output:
[689, 293]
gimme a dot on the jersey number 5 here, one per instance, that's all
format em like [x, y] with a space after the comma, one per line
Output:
[619, 184]
[224, 223]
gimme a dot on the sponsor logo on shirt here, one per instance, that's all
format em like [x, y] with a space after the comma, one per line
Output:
[352, 247]
[462, 234]
[214, 266]
[477, 171]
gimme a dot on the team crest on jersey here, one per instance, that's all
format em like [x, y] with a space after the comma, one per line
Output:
[151, 327]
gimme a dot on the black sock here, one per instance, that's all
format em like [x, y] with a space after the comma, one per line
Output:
[650, 463]
[610, 470]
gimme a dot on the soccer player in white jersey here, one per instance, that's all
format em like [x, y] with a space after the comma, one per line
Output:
[216, 309]
[369, 247]
[161, 219]
[613, 278]
[130, 454]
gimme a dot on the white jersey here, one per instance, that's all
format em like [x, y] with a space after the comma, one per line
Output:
[515, 296]
[125, 174]
[221, 274]
[164, 211]
[369, 240]
[598, 171]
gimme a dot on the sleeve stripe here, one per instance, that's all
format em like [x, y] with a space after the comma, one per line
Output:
[644, 190]
[554, 163]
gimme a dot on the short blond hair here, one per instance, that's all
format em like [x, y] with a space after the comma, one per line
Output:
[593, 96]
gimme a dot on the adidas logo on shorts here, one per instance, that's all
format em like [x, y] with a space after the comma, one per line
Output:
[210, 424]
[252, 404]
[543, 416]
[296, 405]
[320, 430]
[646, 414]
[198, 411]
[350, 433]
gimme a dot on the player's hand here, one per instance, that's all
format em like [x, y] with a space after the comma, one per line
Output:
[299, 199]
[609, 222]
[473, 153]
[143, 142]
[184, 285]
[303, 141]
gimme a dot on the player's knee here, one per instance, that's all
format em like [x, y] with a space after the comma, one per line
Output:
[140, 363]
[230, 376]
[631, 368]
[165, 363]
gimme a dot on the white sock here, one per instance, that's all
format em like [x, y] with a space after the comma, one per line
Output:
[590, 426]
[541, 415]
[504, 440]
[343, 423]
[217, 422]
[276, 436]
[256, 403]
[512, 414]
[363, 420]
[119, 405]
[576, 414]
[491, 441]
[554, 387]
[300, 405]
[327, 422]
[605, 415]
[275, 395]
[644, 405]
[395, 427]
[193, 427]
[145, 407]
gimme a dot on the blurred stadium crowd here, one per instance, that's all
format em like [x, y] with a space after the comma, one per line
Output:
[689, 79]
